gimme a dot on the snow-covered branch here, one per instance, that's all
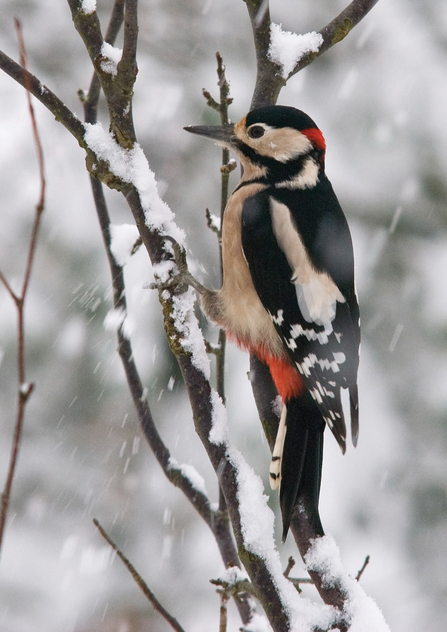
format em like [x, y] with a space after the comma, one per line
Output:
[280, 54]
[116, 159]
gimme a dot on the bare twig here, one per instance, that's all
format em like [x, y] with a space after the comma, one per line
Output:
[222, 108]
[296, 581]
[140, 581]
[365, 564]
[226, 590]
[45, 96]
[290, 564]
[25, 389]
[223, 619]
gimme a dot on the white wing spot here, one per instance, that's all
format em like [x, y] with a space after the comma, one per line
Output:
[311, 360]
[279, 318]
[339, 357]
[311, 334]
[291, 344]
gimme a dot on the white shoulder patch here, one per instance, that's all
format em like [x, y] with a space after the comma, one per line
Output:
[317, 294]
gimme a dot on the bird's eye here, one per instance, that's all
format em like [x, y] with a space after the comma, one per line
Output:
[256, 131]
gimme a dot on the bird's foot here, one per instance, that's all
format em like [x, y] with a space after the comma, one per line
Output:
[179, 275]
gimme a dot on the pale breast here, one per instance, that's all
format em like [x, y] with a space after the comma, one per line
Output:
[242, 312]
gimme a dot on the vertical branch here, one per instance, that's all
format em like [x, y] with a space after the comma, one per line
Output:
[25, 389]
[268, 80]
[227, 167]
[224, 101]
[222, 108]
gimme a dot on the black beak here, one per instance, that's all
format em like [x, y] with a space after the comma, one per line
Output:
[222, 134]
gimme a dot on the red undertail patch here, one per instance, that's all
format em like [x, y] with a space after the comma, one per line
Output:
[287, 379]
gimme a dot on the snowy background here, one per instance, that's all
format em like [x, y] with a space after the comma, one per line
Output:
[380, 98]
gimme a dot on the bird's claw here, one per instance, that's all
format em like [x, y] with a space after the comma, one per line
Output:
[180, 278]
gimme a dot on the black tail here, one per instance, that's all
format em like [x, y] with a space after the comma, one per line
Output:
[302, 460]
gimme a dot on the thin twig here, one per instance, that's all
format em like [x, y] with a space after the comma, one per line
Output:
[290, 564]
[24, 390]
[365, 564]
[140, 581]
[223, 619]
[222, 108]
[43, 94]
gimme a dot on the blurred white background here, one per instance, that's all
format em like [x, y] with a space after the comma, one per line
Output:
[380, 98]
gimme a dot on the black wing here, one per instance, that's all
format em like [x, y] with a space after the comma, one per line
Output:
[324, 350]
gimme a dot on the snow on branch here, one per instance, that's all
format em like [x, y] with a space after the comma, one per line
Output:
[131, 166]
[257, 527]
[257, 532]
[88, 6]
[111, 58]
[363, 613]
[118, 319]
[189, 471]
[186, 324]
[123, 240]
[287, 49]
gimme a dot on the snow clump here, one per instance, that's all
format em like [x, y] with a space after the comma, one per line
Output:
[286, 48]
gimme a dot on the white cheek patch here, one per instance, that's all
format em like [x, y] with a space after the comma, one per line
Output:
[281, 144]
[317, 294]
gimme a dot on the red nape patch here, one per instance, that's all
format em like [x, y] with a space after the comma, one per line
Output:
[315, 137]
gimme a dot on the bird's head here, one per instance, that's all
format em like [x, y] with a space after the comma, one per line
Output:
[277, 143]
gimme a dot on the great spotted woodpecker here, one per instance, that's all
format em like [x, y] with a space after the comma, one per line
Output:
[288, 293]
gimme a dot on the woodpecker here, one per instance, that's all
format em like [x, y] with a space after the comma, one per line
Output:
[288, 292]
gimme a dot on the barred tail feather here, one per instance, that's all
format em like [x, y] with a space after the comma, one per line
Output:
[276, 462]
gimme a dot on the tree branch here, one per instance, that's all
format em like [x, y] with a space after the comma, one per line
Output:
[337, 29]
[24, 390]
[269, 81]
[117, 88]
[43, 94]
[175, 625]
[217, 521]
